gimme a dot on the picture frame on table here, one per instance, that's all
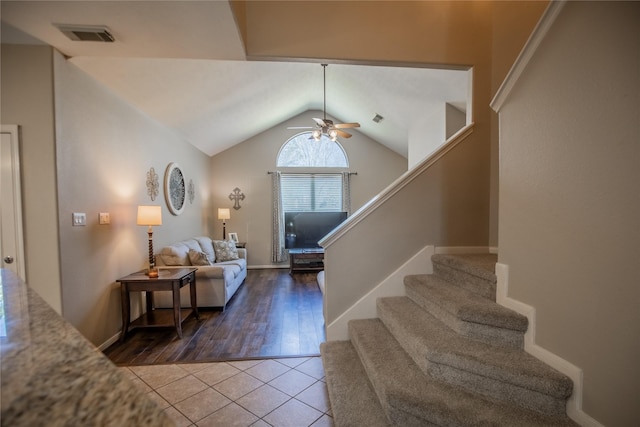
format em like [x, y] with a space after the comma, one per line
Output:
[233, 237]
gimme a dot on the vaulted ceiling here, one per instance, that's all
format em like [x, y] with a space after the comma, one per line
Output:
[183, 64]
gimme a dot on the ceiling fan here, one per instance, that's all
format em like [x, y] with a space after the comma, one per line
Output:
[326, 126]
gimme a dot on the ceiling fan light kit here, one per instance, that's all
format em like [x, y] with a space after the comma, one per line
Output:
[325, 126]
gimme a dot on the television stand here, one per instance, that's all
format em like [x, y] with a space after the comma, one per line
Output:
[311, 259]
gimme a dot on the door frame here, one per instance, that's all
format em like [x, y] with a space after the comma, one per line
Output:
[18, 231]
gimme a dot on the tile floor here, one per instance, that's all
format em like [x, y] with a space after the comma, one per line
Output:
[272, 392]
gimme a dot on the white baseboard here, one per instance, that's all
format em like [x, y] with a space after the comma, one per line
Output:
[267, 266]
[108, 342]
[365, 307]
[574, 403]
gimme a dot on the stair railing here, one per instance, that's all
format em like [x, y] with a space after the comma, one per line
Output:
[428, 205]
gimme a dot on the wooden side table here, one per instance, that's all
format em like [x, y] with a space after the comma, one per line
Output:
[167, 280]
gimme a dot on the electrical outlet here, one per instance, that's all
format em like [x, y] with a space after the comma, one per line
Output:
[104, 218]
[79, 218]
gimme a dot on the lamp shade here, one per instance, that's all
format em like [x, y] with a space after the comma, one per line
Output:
[224, 213]
[149, 215]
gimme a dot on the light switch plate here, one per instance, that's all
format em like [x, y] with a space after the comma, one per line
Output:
[104, 218]
[79, 218]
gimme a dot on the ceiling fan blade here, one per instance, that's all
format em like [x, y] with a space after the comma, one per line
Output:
[320, 122]
[346, 125]
[343, 134]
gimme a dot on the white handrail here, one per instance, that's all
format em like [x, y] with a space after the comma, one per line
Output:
[395, 187]
[539, 32]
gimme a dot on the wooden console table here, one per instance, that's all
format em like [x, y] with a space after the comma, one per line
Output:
[168, 280]
[306, 260]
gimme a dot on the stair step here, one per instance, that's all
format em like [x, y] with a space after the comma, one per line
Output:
[465, 312]
[480, 265]
[411, 398]
[474, 272]
[353, 401]
[498, 372]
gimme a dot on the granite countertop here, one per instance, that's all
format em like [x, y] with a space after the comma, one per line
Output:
[51, 375]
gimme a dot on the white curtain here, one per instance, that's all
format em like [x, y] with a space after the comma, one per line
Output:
[346, 192]
[278, 253]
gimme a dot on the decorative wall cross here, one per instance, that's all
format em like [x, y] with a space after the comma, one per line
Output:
[236, 196]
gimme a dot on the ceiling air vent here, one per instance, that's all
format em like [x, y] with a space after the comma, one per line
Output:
[87, 33]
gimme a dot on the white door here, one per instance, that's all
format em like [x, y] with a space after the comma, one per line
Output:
[11, 239]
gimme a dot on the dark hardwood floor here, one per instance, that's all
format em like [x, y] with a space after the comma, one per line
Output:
[273, 314]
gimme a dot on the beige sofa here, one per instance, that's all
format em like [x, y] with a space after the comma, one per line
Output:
[218, 277]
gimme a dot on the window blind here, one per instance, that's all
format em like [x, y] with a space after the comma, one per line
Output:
[311, 192]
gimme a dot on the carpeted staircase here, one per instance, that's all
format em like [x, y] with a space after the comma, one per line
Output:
[444, 355]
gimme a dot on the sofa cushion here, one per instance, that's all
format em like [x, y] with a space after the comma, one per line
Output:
[235, 269]
[240, 262]
[206, 245]
[192, 244]
[199, 258]
[176, 254]
[209, 272]
[225, 250]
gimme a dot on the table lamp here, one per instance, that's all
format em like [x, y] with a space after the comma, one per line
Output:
[150, 216]
[224, 214]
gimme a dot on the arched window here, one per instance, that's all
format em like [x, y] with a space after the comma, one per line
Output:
[309, 189]
[302, 151]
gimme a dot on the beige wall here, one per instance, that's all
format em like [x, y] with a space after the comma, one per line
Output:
[427, 136]
[424, 33]
[246, 165]
[569, 199]
[104, 149]
[416, 32]
[27, 100]
[127, 143]
[455, 120]
[442, 206]
[513, 22]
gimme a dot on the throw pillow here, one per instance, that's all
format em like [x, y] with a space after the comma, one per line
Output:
[176, 254]
[198, 258]
[206, 246]
[225, 250]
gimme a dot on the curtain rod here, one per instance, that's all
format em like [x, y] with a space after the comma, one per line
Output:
[313, 173]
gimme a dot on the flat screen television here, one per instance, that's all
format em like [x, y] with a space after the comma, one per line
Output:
[303, 230]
